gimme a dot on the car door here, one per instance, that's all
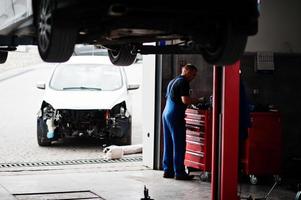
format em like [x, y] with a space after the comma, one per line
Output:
[13, 11]
[6, 13]
[20, 9]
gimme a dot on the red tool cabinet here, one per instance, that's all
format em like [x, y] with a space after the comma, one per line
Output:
[262, 151]
[198, 140]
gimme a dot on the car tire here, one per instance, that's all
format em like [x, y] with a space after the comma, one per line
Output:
[228, 46]
[122, 56]
[253, 179]
[42, 133]
[55, 37]
[205, 176]
[128, 136]
[126, 139]
[3, 56]
[188, 170]
[298, 196]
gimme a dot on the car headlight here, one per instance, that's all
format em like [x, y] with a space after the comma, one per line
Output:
[48, 111]
[119, 110]
[122, 111]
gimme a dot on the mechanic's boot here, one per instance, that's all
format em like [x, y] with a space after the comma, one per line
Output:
[168, 175]
[184, 177]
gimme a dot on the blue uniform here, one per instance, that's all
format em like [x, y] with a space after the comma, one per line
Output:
[174, 126]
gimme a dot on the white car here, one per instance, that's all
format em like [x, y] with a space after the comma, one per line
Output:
[216, 29]
[85, 98]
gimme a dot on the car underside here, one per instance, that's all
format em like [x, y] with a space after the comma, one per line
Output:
[216, 29]
[108, 126]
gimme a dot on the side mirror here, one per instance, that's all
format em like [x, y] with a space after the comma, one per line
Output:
[41, 86]
[133, 87]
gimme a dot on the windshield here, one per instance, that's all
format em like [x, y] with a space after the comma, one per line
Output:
[92, 50]
[86, 77]
[89, 50]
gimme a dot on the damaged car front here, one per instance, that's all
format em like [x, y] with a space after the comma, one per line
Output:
[86, 100]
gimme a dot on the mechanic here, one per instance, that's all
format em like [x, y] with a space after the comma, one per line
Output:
[178, 98]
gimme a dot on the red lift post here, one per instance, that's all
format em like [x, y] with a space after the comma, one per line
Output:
[225, 132]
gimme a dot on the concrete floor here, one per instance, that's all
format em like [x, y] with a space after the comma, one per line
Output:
[127, 184]
[112, 181]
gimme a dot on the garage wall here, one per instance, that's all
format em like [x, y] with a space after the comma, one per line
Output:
[279, 32]
[281, 88]
[148, 107]
[279, 27]
[201, 85]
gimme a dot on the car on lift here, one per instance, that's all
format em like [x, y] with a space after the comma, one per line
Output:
[216, 29]
[84, 98]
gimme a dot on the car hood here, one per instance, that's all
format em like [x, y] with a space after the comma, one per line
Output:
[84, 100]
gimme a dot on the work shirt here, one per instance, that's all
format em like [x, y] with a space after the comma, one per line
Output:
[177, 88]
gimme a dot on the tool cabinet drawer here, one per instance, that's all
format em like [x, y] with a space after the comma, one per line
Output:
[195, 165]
[197, 129]
[195, 147]
[193, 138]
[194, 157]
[195, 133]
[194, 122]
[194, 111]
[195, 116]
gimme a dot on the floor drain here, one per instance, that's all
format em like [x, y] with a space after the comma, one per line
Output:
[71, 195]
[70, 162]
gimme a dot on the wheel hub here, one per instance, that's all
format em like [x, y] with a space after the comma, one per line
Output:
[44, 26]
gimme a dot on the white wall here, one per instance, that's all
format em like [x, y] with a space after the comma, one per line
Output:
[279, 27]
[148, 109]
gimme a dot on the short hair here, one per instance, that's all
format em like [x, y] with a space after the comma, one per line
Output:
[190, 67]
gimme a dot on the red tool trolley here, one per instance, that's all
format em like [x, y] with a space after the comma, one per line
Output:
[262, 151]
[198, 141]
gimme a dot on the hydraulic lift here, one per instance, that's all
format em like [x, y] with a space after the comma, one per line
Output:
[225, 132]
[225, 135]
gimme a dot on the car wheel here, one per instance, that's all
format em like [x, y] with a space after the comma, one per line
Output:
[226, 46]
[56, 37]
[205, 176]
[42, 133]
[3, 56]
[188, 170]
[126, 139]
[253, 179]
[122, 56]
[298, 196]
